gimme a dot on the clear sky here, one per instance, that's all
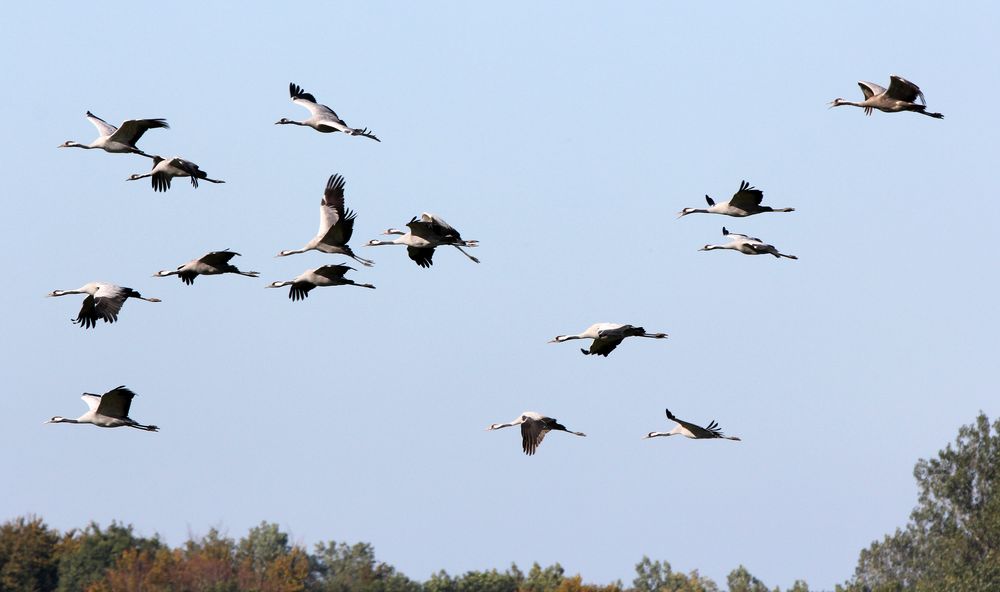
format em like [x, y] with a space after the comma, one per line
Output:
[565, 137]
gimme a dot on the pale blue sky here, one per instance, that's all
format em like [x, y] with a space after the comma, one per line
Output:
[565, 137]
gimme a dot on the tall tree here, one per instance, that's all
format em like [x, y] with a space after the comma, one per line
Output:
[740, 580]
[86, 555]
[952, 541]
[339, 567]
[656, 576]
[28, 560]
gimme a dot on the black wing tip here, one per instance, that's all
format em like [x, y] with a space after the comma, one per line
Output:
[670, 415]
[336, 181]
[297, 92]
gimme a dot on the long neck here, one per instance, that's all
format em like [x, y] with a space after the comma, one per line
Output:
[63, 420]
[78, 145]
[67, 292]
[498, 426]
[562, 338]
[293, 251]
[142, 176]
[658, 434]
[379, 243]
[280, 284]
[290, 122]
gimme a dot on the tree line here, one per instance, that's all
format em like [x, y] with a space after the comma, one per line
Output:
[951, 543]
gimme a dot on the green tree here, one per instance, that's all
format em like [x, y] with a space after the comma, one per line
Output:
[543, 580]
[28, 560]
[339, 567]
[656, 576]
[740, 580]
[952, 541]
[86, 555]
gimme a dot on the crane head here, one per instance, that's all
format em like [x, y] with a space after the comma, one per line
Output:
[835, 103]
[56, 419]
[685, 212]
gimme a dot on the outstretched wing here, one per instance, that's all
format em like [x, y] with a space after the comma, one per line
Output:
[188, 167]
[217, 258]
[870, 89]
[133, 129]
[91, 400]
[424, 257]
[440, 227]
[746, 197]
[103, 127]
[87, 317]
[697, 430]
[333, 272]
[604, 345]
[532, 434]
[116, 403]
[300, 290]
[301, 97]
[904, 90]
[108, 307]
[738, 236]
[331, 207]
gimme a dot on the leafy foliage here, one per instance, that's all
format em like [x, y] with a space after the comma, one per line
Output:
[952, 541]
[85, 556]
[27, 555]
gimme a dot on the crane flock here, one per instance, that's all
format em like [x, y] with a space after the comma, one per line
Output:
[425, 233]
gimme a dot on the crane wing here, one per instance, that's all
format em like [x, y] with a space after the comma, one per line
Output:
[91, 400]
[333, 272]
[870, 89]
[340, 233]
[424, 229]
[104, 304]
[760, 247]
[694, 429]
[738, 236]
[300, 290]
[422, 256]
[532, 434]
[217, 258]
[188, 167]
[116, 402]
[440, 226]
[746, 197]
[131, 130]
[604, 345]
[904, 90]
[331, 207]
[87, 317]
[307, 100]
[103, 127]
